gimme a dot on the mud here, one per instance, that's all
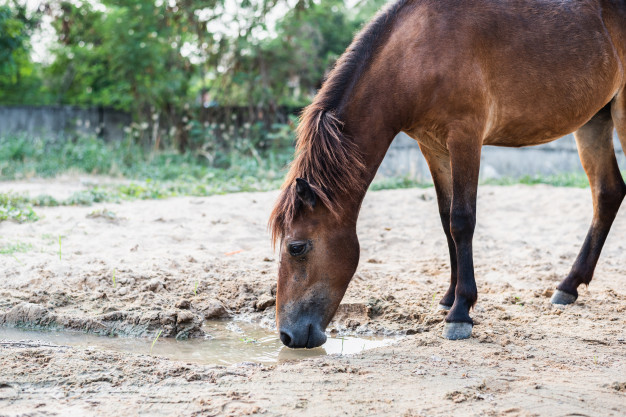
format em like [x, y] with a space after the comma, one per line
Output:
[169, 265]
[231, 342]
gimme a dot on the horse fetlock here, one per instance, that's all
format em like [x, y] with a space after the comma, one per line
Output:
[447, 299]
[457, 331]
[459, 314]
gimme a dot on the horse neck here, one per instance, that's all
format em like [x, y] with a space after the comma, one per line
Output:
[372, 132]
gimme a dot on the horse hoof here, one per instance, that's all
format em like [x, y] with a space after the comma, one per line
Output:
[456, 331]
[562, 297]
[443, 307]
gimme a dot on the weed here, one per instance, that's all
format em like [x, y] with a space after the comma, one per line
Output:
[392, 183]
[166, 173]
[17, 208]
[114, 283]
[195, 289]
[247, 340]
[155, 339]
[569, 179]
[103, 214]
[60, 248]
[13, 248]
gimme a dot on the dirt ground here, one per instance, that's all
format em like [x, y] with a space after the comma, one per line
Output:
[181, 260]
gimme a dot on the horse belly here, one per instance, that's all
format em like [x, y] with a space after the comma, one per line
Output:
[550, 84]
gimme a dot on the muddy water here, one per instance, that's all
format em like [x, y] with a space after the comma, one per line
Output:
[231, 342]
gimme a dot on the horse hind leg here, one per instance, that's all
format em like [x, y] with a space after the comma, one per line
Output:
[439, 165]
[595, 147]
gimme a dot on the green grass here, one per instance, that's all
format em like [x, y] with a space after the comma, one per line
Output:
[17, 208]
[573, 179]
[25, 157]
[393, 183]
[163, 174]
[155, 339]
[13, 248]
[154, 175]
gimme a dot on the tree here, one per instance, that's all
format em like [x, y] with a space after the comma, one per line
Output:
[19, 77]
[157, 59]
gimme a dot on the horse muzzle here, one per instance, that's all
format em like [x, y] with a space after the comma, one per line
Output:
[302, 335]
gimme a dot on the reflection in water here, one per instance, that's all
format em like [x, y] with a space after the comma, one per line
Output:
[231, 342]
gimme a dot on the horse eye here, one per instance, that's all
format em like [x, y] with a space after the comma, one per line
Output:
[296, 249]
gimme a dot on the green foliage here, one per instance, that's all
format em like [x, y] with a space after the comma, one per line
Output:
[25, 156]
[163, 61]
[392, 183]
[20, 81]
[17, 208]
[155, 339]
[288, 68]
[17, 247]
[568, 179]
[155, 175]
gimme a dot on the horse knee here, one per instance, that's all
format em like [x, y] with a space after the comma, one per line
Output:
[609, 198]
[462, 224]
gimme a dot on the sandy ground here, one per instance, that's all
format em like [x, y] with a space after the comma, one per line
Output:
[181, 260]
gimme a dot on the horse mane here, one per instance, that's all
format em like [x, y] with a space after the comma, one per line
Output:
[325, 157]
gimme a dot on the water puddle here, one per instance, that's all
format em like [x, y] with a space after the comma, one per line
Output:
[232, 342]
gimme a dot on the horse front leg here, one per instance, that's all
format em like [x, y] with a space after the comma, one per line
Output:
[439, 164]
[464, 164]
[595, 147]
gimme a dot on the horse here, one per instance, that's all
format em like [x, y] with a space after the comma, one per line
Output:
[454, 76]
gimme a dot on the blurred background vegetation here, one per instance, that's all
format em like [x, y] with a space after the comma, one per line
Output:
[164, 61]
[212, 87]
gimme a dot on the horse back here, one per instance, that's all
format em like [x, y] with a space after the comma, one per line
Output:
[523, 72]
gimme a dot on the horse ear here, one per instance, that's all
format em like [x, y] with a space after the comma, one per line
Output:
[305, 192]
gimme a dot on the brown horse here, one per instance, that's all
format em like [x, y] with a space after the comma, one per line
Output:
[454, 75]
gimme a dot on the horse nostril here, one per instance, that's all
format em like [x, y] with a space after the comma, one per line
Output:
[285, 338]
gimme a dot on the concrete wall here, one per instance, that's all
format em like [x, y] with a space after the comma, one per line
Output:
[405, 159]
[55, 120]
